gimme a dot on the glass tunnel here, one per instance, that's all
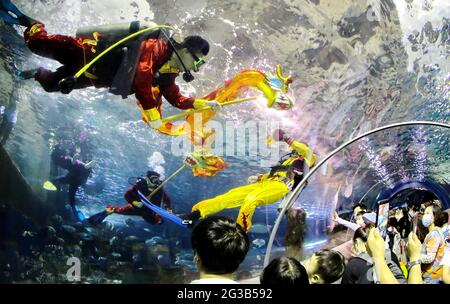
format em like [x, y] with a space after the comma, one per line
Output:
[355, 65]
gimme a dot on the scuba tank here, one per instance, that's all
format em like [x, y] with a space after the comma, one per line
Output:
[114, 32]
[117, 68]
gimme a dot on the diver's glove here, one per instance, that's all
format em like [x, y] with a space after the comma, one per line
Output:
[202, 103]
[90, 164]
[252, 179]
[152, 117]
[109, 209]
[280, 135]
[137, 204]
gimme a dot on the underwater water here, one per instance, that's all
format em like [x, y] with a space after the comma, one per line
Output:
[356, 65]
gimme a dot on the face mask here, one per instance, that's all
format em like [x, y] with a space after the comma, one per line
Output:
[153, 183]
[427, 220]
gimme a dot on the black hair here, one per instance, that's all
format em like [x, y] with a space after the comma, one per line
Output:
[392, 222]
[284, 271]
[331, 265]
[195, 44]
[361, 205]
[436, 208]
[362, 233]
[220, 243]
[441, 219]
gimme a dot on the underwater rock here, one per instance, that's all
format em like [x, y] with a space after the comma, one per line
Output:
[130, 223]
[155, 240]
[28, 234]
[68, 230]
[185, 256]
[132, 239]
[258, 243]
[90, 230]
[50, 233]
[108, 226]
[15, 191]
[164, 259]
[114, 241]
[116, 256]
[101, 262]
[79, 226]
[59, 241]
[56, 220]
[86, 236]
[189, 264]
[76, 251]
[159, 249]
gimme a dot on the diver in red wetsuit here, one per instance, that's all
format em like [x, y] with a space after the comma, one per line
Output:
[146, 185]
[155, 65]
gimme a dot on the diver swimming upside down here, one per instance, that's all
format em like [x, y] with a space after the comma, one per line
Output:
[156, 61]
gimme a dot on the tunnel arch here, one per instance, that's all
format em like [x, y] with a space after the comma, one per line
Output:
[432, 187]
[298, 190]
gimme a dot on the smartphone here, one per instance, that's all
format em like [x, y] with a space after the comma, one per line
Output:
[414, 223]
[382, 217]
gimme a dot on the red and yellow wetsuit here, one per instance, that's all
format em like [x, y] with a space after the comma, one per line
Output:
[269, 188]
[74, 53]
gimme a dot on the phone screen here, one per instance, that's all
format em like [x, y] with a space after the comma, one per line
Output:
[415, 220]
[383, 217]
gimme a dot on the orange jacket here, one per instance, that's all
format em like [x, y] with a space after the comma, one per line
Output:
[75, 53]
[154, 53]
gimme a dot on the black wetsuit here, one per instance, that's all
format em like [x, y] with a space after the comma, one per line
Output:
[77, 174]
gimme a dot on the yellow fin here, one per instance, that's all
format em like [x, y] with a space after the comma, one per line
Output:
[48, 185]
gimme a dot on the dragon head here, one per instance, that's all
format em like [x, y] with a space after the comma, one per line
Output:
[279, 98]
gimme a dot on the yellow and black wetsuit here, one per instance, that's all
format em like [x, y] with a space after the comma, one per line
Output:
[270, 188]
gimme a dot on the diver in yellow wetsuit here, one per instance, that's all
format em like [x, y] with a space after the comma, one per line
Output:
[262, 190]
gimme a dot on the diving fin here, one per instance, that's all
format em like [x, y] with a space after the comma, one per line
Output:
[97, 218]
[78, 214]
[26, 74]
[7, 9]
[48, 185]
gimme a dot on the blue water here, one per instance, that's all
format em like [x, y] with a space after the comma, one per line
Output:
[355, 67]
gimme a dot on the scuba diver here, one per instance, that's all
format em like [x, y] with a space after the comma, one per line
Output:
[262, 190]
[147, 68]
[77, 175]
[8, 120]
[145, 185]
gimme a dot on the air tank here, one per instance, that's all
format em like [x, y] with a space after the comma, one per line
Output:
[115, 32]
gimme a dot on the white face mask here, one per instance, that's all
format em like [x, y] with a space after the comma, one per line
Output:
[427, 220]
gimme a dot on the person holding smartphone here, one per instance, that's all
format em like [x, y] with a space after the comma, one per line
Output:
[445, 263]
[433, 245]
